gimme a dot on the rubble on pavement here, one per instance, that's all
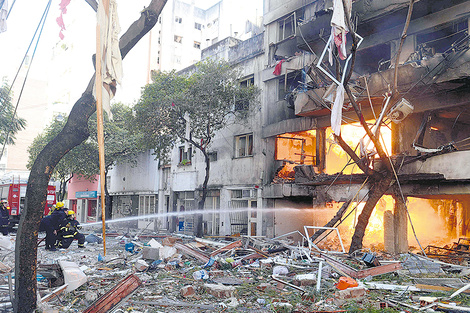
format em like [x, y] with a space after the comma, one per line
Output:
[169, 273]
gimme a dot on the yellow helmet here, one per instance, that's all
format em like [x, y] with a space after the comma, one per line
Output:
[71, 212]
[59, 204]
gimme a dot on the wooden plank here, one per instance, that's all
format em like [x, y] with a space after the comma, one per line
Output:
[232, 245]
[359, 274]
[110, 299]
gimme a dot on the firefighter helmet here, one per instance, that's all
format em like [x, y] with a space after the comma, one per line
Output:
[59, 204]
[70, 212]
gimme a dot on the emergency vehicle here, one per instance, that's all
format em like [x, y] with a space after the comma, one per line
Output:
[15, 193]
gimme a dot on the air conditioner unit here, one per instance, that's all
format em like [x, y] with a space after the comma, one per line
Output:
[400, 110]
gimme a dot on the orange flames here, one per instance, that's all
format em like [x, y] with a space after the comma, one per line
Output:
[431, 226]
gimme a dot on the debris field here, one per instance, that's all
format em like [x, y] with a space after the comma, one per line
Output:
[180, 273]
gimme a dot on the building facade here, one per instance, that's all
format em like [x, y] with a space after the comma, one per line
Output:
[283, 170]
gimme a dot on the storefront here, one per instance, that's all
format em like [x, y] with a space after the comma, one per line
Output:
[83, 198]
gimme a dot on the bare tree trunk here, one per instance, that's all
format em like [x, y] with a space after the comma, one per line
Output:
[376, 192]
[199, 230]
[73, 133]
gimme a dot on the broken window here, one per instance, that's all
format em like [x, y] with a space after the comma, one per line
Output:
[185, 201]
[286, 87]
[197, 45]
[244, 145]
[185, 155]
[299, 148]
[441, 38]
[288, 25]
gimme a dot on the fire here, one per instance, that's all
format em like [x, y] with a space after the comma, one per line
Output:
[430, 219]
[286, 173]
[352, 134]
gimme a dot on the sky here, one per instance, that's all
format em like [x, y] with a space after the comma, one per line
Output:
[80, 21]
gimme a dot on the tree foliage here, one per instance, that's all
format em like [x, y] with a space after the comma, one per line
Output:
[10, 124]
[208, 99]
[192, 108]
[83, 159]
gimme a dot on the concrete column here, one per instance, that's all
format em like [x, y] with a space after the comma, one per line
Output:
[400, 226]
[460, 219]
[389, 232]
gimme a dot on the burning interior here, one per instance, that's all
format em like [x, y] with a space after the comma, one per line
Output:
[423, 129]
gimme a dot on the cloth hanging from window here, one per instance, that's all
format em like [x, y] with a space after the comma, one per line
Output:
[278, 68]
[337, 110]
[111, 65]
[3, 16]
[339, 28]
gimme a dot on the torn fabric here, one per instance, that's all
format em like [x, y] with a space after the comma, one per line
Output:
[111, 65]
[337, 110]
[278, 68]
[339, 28]
[3, 16]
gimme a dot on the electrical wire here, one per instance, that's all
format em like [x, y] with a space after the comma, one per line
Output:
[11, 8]
[41, 24]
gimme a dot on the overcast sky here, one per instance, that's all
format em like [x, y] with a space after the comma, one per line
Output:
[52, 52]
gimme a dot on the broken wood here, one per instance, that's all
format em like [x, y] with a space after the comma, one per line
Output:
[359, 274]
[55, 293]
[274, 277]
[112, 298]
[192, 252]
[230, 246]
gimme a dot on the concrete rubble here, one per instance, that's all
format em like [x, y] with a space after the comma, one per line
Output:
[169, 273]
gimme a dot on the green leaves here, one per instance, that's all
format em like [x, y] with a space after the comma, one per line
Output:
[10, 125]
[121, 145]
[191, 107]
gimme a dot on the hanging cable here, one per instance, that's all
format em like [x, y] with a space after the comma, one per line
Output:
[11, 8]
[41, 24]
[30, 44]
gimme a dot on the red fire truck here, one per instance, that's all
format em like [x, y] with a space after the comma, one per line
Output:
[15, 194]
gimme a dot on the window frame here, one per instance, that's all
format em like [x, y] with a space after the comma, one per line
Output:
[247, 141]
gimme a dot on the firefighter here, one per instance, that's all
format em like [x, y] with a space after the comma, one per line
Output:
[68, 231]
[58, 205]
[4, 218]
[50, 224]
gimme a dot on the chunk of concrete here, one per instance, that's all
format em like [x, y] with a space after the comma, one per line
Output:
[150, 253]
[350, 293]
[220, 291]
[187, 291]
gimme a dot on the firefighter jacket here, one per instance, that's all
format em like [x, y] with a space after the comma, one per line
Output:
[69, 228]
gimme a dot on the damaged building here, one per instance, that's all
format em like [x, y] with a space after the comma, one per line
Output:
[285, 167]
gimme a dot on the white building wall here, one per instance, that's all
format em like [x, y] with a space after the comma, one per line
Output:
[143, 177]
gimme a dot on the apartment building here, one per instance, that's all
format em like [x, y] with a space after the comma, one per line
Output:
[285, 166]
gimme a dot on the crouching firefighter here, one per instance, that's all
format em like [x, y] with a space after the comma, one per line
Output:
[68, 231]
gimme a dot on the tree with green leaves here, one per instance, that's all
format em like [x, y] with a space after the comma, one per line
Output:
[74, 133]
[83, 160]
[192, 108]
[10, 124]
